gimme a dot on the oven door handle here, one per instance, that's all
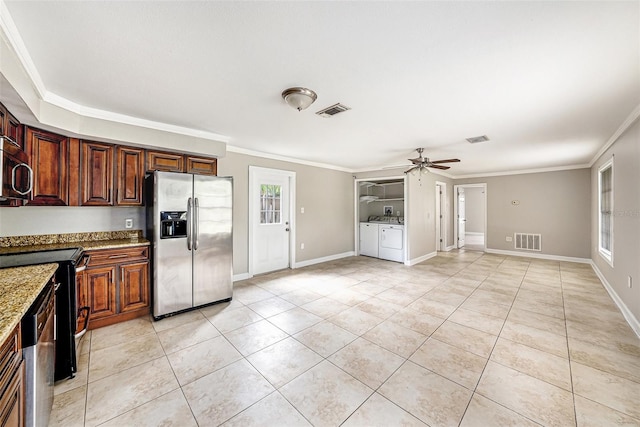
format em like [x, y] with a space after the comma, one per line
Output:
[87, 311]
[86, 259]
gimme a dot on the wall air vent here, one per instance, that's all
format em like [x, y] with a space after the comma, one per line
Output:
[529, 242]
[333, 110]
[476, 139]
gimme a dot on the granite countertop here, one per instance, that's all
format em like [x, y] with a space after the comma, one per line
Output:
[86, 245]
[19, 287]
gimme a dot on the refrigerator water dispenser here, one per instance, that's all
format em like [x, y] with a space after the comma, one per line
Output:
[173, 224]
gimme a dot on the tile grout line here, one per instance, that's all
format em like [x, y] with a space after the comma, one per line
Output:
[573, 394]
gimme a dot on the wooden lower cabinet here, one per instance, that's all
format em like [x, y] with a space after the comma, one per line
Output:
[12, 404]
[102, 291]
[115, 285]
[134, 286]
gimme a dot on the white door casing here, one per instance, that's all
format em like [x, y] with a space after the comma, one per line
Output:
[461, 218]
[441, 216]
[270, 226]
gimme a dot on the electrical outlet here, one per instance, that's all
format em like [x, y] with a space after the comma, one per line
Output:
[630, 282]
[301, 246]
[509, 239]
[128, 223]
[302, 210]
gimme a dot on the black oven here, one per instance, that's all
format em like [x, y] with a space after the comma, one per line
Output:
[66, 309]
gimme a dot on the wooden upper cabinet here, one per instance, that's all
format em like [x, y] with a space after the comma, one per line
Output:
[202, 165]
[97, 174]
[48, 153]
[13, 129]
[163, 161]
[129, 176]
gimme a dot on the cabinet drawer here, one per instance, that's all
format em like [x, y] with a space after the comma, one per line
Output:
[10, 358]
[118, 256]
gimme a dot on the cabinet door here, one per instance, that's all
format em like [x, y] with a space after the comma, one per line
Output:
[49, 160]
[13, 129]
[12, 401]
[102, 291]
[97, 174]
[202, 165]
[3, 119]
[82, 296]
[134, 286]
[168, 162]
[130, 174]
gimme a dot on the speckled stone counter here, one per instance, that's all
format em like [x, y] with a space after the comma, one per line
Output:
[19, 288]
[87, 241]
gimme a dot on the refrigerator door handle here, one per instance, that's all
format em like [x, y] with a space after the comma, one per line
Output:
[189, 222]
[196, 224]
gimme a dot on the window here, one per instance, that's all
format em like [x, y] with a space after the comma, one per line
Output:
[605, 211]
[270, 204]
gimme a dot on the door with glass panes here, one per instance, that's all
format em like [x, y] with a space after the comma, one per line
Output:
[271, 226]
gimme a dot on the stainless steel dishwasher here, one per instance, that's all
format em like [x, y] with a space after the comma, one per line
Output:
[38, 349]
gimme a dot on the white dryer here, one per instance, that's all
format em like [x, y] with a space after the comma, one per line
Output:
[391, 242]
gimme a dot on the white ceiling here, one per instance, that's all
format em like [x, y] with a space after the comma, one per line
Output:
[548, 82]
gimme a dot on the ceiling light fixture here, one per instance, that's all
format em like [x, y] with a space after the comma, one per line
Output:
[299, 97]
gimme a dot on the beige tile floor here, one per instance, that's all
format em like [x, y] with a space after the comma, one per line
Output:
[464, 339]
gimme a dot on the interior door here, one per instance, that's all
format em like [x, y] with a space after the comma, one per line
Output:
[271, 225]
[461, 218]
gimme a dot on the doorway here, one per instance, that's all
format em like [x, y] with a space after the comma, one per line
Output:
[470, 213]
[271, 202]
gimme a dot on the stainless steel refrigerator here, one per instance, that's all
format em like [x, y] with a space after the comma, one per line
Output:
[189, 223]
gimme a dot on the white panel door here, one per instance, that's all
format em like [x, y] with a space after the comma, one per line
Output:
[461, 218]
[270, 219]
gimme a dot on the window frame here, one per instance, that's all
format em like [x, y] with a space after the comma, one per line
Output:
[607, 254]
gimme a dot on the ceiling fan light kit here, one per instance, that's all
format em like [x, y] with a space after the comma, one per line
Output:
[422, 163]
[299, 98]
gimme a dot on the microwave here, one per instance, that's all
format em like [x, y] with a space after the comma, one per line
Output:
[16, 177]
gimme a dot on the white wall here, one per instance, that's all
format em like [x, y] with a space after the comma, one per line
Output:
[326, 227]
[33, 220]
[553, 204]
[626, 219]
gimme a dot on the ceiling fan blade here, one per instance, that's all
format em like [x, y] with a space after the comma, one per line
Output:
[439, 167]
[411, 169]
[416, 161]
[446, 161]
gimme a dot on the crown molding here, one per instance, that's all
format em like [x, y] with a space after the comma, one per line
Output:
[9, 32]
[523, 171]
[245, 151]
[629, 121]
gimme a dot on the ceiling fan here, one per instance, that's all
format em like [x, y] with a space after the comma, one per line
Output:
[424, 162]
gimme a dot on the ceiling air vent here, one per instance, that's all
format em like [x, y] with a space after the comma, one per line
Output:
[476, 139]
[333, 110]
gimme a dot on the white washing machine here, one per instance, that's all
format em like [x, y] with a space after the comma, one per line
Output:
[391, 242]
[369, 239]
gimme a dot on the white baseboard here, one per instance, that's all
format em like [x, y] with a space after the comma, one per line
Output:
[323, 259]
[241, 276]
[420, 259]
[628, 315]
[538, 256]
[474, 233]
[449, 248]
